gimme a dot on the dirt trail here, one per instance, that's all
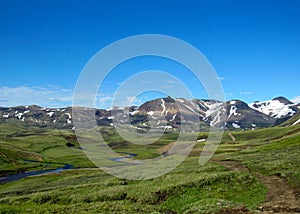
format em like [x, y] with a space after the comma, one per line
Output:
[233, 138]
[281, 198]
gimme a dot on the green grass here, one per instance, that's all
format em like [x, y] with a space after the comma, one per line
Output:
[31, 149]
[177, 191]
[274, 151]
[189, 188]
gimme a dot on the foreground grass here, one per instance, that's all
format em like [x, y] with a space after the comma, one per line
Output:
[189, 188]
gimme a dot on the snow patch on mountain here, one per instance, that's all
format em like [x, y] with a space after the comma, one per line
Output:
[180, 100]
[193, 104]
[168, 127]
[173, 118]
[163, 106]
[50, 114]
[151, 113]
[236, 126]
[19, 115]
[191, 109]
[296, 100]
[69, 121]
[5, 115]
[134, 112]
[202, 105]
[233, 111]
[69, 115]
[273, 108]
[212, 109]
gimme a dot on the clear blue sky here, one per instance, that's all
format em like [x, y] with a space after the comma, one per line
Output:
[254, 46]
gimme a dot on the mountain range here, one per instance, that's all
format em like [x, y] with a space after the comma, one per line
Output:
[167, 113]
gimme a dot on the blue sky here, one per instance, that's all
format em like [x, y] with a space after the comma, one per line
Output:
[254, 46]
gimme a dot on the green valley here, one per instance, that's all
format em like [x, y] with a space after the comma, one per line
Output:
[244, 175]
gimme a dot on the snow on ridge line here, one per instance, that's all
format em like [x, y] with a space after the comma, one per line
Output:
[274, 108]
[180, 100]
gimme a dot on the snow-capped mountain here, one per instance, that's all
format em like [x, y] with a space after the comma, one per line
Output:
[174, 112]
[279, 108]
[166, 113]
[46, 117]
[241, 116]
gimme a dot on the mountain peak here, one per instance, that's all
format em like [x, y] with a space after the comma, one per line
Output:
[283, 100]
[168, 99]
[278, 108]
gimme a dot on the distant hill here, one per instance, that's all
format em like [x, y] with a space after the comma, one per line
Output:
[167, 113]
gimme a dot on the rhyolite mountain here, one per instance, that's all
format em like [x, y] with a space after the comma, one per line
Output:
[166, 113]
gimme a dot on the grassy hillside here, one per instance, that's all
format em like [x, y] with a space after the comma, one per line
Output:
[239, 178]
[34, 149]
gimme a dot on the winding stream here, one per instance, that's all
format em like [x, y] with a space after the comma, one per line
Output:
[15, 177]
[18, 176]
[120, 159]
